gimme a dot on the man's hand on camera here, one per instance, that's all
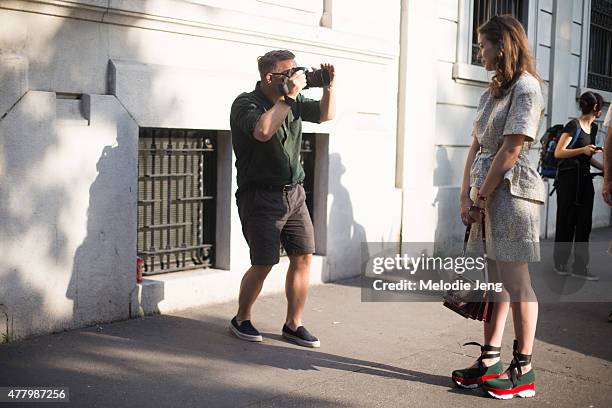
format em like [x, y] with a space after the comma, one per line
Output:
[296, 83]
[331, 70]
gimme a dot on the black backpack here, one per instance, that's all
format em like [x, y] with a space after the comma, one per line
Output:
[549, 165]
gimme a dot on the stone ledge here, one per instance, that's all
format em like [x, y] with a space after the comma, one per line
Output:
[170, 292]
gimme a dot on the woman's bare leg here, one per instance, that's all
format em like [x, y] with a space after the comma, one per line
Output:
[494, 329]
[516, 279]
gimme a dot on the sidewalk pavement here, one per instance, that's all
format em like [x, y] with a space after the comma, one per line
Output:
[372, 355]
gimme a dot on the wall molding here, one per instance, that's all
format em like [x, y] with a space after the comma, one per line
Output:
[217, 23]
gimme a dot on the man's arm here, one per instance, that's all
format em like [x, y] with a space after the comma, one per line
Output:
[269, 123]
[328, 101]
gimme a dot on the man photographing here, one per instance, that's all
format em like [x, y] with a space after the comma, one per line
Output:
[266, 126]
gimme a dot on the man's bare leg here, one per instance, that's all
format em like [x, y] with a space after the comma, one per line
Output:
[251, 285]
[296, 288]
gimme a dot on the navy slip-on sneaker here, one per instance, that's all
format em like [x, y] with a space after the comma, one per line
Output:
[245, 331]
[301, 337]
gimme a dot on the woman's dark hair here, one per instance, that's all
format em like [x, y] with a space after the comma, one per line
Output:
[514, 56]
[267, 62]
[589, 100]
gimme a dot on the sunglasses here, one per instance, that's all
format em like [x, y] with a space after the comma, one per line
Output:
[290, 71]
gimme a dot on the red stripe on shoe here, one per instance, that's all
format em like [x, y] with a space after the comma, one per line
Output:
[477, 380]
[514, 390]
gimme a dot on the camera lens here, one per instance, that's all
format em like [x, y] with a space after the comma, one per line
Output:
[317, 78]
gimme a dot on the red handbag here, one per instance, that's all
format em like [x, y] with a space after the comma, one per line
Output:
[471, 304]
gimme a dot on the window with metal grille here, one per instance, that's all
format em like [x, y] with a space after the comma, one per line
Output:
[177, 173]
[600, 46]
[307, 154]
[483, 10]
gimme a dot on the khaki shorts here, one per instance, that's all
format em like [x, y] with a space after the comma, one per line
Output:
[270, 217]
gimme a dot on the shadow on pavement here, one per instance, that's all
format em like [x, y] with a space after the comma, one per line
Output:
[191, 361]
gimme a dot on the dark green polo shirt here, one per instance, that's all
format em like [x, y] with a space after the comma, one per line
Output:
[277, 161]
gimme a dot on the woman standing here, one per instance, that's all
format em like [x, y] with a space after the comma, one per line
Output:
[499, 182]
[575, 191]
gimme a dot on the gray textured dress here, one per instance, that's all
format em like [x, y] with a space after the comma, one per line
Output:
[513, 209]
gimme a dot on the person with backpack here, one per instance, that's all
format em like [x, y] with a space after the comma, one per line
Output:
[575, 192]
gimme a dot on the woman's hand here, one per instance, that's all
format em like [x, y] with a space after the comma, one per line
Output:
[476, 213]
[465, 203]
[589, 150]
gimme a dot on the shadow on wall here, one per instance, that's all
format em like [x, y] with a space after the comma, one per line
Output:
[54, 252]
[346, 254]
[447, 237]
[103, 267]
[13, 282]
[33, 242]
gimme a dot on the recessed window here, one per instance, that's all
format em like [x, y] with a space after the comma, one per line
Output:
[177, 173]
[483, 10]
[600, 46]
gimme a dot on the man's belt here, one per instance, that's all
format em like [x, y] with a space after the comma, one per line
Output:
[272, 187]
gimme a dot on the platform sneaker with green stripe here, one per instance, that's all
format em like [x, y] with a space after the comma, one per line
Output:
[514, 381]
[474, 376]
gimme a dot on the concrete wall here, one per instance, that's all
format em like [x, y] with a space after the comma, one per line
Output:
[68, 166]
[66, 211]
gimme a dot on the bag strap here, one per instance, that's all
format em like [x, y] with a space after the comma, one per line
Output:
[484, 246]
[575, 135]
[466, 238]
[571, 146]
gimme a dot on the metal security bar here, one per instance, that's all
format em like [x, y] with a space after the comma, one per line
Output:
[485, 9]
[600, 46]
[307, 157]
[177, 173]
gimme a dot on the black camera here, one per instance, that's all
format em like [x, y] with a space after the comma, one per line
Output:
[315, 78]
